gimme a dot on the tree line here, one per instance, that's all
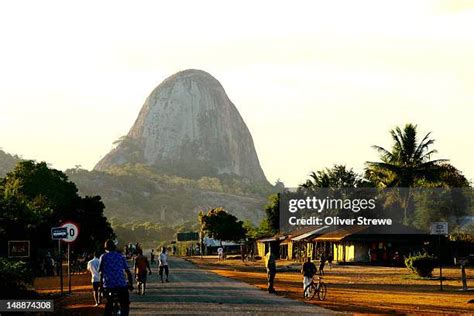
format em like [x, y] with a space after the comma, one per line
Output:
[408, 164]
[34, 198]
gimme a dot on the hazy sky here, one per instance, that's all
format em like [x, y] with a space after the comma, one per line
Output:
[317, 83]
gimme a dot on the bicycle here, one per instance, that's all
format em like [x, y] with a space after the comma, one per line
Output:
[114, 296]
[317, 286]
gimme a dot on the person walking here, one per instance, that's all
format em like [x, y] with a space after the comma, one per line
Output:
[308, 270]
[152, 257]
[49, 265]
[270, 264]
[322, 263]
[243, 252]
[93, 268]
[140, 267]
[163, 260]
[112, 268]
[220, 253]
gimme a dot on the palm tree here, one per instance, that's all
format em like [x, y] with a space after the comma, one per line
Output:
[407, 163]
[337, 177]
[317, 180]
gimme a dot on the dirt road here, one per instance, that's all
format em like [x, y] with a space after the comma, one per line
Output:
[195, 291]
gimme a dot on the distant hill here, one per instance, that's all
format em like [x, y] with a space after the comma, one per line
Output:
[141, 193]
[189, 127]
[7, 162]
[189, 149]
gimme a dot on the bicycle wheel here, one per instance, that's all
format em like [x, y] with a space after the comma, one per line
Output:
[322, 290]
[116, 309]
[309, 291]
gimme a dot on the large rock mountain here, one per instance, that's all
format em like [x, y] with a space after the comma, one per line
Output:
[189, 127]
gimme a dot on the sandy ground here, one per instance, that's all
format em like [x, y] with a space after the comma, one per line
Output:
[191, 290]
[80, 302]
[360, 289]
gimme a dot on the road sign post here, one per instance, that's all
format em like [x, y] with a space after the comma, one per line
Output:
[439, 228]
[69, 266]
[68, 232]
[72, 233]
[60, 262]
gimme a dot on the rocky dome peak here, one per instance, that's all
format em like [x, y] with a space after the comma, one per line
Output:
[188, 126]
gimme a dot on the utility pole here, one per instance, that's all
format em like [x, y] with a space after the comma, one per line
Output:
[60, 262]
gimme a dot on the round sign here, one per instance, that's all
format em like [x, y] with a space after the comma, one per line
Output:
[72, 231]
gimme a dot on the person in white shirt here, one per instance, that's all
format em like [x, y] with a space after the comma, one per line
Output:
[93, 267]
[163, 259]
[220, 254]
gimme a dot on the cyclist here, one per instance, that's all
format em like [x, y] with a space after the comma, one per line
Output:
[308, 270]
[112, 267]
[140, 268]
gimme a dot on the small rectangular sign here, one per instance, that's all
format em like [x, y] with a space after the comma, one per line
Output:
[58, 233]
[439, 228]
[188, 236]
[18, 248]
[26, 306]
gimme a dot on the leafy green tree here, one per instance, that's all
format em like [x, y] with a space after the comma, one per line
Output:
[447, 200]
[256, 232]
[94, 227]
[15, 278]
[220, 225]
[272, 211]
[36, 182]
[34, 198]
[336, 177]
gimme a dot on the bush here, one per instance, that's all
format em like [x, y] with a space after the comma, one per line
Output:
[421, 265]
[14, 277]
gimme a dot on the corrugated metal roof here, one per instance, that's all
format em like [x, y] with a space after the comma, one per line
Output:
[273, 238]
[340, 233]
[309, 234]
[211, 242]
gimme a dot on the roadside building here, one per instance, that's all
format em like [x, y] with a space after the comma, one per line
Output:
[299, 244]
[211, 245]
[264, 244]
[373, 244]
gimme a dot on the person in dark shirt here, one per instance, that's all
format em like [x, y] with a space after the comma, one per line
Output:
[322, 263]
[270, 264]
[140, 267]
[308, 270]
[152, 257]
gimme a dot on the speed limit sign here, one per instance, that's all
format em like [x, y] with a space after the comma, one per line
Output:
[72, 231]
